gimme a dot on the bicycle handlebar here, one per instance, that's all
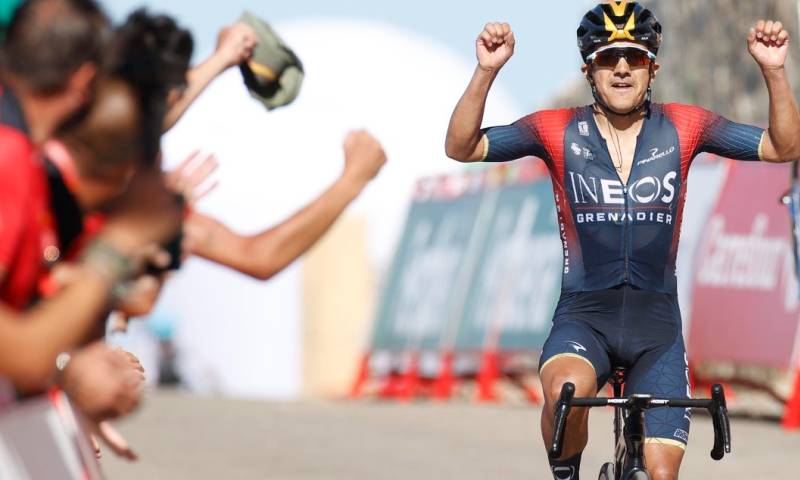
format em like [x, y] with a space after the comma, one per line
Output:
[715, 405]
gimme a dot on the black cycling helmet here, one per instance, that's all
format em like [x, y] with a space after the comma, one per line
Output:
[618, 20]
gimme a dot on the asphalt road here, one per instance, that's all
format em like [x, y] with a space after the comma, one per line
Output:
[187, 437]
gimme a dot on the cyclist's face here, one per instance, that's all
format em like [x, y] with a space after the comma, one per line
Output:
[621, 85]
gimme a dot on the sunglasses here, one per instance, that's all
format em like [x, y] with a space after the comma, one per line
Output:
[635, 57]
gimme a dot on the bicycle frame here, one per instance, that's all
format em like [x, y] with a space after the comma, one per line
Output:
[629, 454]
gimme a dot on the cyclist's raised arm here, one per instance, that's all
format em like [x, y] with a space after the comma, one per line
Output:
[494, 46]
[768, 43]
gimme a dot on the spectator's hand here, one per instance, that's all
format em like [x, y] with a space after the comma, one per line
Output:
[148, 215]
[235, 44]
[768, 43]
[133, 361]
[494, 46]
[140, 298]
[111, 437]
[102, 382]
[189, 179]
[363, 157]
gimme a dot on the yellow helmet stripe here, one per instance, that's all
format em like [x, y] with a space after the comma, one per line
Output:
[617, 34]
[618, 7]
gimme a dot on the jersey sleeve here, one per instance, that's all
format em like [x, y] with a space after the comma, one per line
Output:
[510, 142]
[712, 133]
[731, 140]
[13, 187]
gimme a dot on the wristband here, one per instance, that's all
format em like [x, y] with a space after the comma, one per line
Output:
[114, 267]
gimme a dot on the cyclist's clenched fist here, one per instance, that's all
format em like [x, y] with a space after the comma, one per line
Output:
[768, 42]
[495, 45]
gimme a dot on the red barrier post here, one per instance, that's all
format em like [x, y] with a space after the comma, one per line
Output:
[791, 417]
[445, 381]
[488, 373]
[409, 383]
[533, 395]
[361, 377]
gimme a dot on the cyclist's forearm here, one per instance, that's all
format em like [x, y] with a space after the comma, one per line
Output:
[784, 118]
[463, 133]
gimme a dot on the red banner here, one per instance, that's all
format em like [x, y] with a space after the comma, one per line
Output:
[745, 302]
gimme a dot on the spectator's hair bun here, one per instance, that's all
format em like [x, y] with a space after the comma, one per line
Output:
[151, 51]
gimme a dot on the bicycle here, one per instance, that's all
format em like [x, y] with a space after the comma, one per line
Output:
[629, 439]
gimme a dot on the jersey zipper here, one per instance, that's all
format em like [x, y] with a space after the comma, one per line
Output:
[628, 215]
[623, 313]
[626, 220]
[626, 212]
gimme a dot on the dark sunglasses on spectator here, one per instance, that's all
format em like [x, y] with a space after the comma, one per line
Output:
[610, 58]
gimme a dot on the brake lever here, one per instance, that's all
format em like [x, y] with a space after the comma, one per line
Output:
[559, 425]
[722, 426]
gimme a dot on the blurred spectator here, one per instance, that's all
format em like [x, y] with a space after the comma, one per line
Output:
[7, 9]
[50, 62]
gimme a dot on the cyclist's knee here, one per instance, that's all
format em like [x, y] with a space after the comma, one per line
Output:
[579, 373]
[582, 388]
[663, 472]
[663, 461]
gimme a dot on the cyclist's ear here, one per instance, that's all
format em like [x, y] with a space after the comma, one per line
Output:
[588, 72]
[586, 69]
[654, 67]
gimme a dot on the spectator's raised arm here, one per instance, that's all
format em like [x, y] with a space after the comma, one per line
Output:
[235, 45]
[267, 253]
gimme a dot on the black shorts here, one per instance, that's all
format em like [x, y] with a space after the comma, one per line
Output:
[636, 329]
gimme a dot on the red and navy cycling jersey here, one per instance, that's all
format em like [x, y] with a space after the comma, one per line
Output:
[612, 232]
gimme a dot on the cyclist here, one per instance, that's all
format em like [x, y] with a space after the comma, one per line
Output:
[619, 169]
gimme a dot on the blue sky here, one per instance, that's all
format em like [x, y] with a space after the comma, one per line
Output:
[545, 58]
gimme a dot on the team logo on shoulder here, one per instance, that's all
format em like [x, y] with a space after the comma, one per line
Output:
[576, 149]
[577, 346]
[583, 129]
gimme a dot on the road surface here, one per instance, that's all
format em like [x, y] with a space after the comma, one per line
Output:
[179, 436]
